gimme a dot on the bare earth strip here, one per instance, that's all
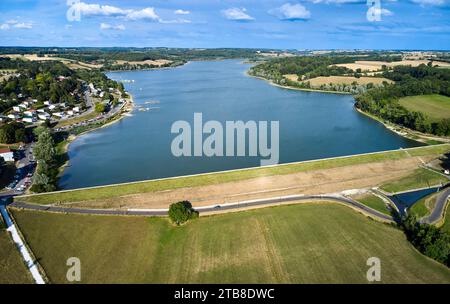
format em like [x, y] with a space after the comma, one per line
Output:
[310, 182]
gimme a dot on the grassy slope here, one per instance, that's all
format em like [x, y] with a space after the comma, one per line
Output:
[435, 106]
[12, 268]
[446, 225]
[424, 206]
[374, 202]
[318, 242]
[420, 178]
[216, 178]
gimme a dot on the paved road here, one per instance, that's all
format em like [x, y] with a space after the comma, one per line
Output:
[224, 207]
[438, 211]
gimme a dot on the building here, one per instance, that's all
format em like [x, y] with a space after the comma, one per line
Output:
[13, 116]
[44, 116]
[16, 109]
[7, 154]
[76, 109]
[29, 119]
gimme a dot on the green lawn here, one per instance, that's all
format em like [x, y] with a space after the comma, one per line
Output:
[304, 243]
[12, 268]
[420, 178]
[216, 178]
[374, 202]
[424, 206]
[437, 107]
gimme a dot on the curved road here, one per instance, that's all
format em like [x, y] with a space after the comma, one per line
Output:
[438, 211]
[216, 208]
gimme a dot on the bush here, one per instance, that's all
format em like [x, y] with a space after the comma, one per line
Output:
[181, 212]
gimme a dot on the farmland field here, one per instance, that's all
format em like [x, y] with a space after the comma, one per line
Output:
[318, 81]
[437, 107]
[372, 66]
[305, 243]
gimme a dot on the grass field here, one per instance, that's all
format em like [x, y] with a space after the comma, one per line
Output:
[424, 206]
[419, 179]
[306, 243]
[223, 177]
[373, 202]
[318, 81]
[12, 268]
[435, 106]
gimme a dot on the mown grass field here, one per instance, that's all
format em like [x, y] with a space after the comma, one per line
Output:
[373, 202]
[304, 243]
[223, 177]
[12, 268]
[419, 179]
[437, 107]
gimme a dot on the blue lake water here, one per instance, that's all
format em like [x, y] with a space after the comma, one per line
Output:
[312, 125]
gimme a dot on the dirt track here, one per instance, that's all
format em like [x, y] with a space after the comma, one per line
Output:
[312, 182]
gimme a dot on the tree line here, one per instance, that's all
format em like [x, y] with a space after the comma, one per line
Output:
[428, 239]
[383, 101]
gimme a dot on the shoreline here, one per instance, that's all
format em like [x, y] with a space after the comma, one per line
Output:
[405, 132]
[397, 129]
[147, 69]
[128, 107]
[295, 88]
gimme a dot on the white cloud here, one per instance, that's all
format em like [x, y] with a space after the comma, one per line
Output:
[106, 26]
[23, 25]
[290, 11]
[147, 13]
[16, 24]
[108, 10]
[238, 14]
[181, 12]
[99, 10]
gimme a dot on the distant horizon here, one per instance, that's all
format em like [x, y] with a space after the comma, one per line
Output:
[218, 48]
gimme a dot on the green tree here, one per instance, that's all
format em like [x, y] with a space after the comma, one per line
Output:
[45, 147]
[181, 212]
[7, 134]
[100, 108]
[20, 135]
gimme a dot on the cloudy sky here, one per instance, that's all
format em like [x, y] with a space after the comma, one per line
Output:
[305, 24]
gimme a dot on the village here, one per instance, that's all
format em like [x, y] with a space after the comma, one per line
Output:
[95, 106]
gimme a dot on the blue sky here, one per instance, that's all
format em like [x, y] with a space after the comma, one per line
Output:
[306, 24]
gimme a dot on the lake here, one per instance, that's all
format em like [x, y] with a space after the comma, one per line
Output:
[312, 125]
